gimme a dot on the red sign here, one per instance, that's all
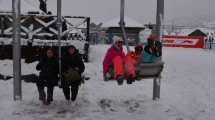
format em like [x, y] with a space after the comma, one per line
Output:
[183, 41]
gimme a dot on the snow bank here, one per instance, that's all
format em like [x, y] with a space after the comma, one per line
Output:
[187, 92]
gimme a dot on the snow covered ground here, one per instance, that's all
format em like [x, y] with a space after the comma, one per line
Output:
[187, 92]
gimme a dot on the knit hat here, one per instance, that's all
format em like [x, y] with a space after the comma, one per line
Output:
[153, 37]
[117, 39]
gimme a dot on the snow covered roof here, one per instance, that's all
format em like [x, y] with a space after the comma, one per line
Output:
[26, 5]
[185, 32]
[207, 30]
[129, 22]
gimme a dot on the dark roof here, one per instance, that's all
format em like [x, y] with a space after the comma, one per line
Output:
[197, 32]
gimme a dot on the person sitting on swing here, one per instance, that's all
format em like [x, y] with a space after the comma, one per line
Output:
[115, 63]
[48, 77]
[134, 56]
[152, 51]
[72, 68]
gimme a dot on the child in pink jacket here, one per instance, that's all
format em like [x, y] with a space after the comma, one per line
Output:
[116, 57]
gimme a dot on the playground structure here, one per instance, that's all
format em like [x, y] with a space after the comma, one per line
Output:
[40, 31]
[151, 70]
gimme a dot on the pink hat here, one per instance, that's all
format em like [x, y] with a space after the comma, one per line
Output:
[153, 37]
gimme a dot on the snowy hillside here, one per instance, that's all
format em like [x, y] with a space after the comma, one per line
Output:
[187, 92]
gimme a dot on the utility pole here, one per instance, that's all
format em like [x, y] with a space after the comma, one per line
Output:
[17, 88]
[122, 23]
[59, 24]
[159, 26]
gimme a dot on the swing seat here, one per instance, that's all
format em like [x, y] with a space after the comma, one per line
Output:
[146, 70]
[150, 70]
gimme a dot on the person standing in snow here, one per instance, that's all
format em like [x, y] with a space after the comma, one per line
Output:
[115, 57]
[43, 5]
[48, 67]
[72, 68]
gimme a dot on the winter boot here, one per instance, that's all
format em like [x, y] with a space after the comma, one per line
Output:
[130, 79]
[46, 103]
[119, 80]
[74, 92]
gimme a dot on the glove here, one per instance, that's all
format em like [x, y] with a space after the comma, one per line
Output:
[107, 75]
[76, 68]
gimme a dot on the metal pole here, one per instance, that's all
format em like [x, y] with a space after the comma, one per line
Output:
[16, 51]
[156, 88]
[59, 24]
[88, 29]
[1, 26]
[122, 23]
[159, 19]
[86, 45]
[159, 23]
[122, 12]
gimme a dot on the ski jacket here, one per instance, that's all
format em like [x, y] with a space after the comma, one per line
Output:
[73, 61]
[48, 68]
[110, 55]
[146, 57]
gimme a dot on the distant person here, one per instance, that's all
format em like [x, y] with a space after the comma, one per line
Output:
[48, 77]
[72, 68]
[205, 42]
[212, 42]
[43, 5]
[211, 39]
[64, 28]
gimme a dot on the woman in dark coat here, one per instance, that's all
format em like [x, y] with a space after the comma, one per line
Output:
[48, 67]
[72, 66]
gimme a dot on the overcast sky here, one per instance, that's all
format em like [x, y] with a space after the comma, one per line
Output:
[141, 10]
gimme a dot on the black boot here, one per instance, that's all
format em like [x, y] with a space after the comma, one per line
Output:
[74, 92]
[119, 80]
[66, 91]
[130, 79]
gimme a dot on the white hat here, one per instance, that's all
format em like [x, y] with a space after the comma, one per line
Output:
[116, 39]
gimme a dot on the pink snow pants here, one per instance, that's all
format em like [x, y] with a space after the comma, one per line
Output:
[123, 66]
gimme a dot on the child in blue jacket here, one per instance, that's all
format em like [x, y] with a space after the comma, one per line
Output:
[152, 51]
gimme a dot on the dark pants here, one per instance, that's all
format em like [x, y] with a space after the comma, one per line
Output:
[70, 90]
[42, 94]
